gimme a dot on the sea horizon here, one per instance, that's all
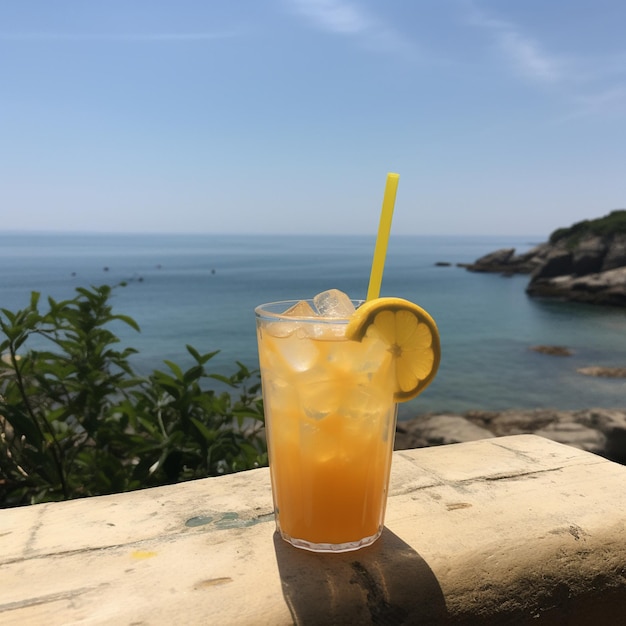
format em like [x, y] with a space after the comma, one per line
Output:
[536, 237]
[201, 289]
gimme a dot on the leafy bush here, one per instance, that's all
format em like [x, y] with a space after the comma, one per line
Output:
[613, 223]
[75, 420]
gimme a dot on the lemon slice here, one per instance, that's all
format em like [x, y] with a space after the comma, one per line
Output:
[412, 337]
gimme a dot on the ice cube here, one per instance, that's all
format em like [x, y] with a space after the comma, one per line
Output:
[334, 303]
[279, 329]
[301, 309]
[319, 394]
[281, 394]
[299, 354]
[375, 355]
[285, 329]
[364, 402]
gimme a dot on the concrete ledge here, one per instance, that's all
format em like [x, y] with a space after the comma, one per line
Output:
[507, 530]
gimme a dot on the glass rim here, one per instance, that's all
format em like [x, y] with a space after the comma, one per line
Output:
[265, 312]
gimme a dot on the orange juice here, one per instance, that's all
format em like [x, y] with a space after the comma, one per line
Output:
[330, 417]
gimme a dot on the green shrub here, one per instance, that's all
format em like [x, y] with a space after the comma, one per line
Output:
[614, 222]
[75, 420]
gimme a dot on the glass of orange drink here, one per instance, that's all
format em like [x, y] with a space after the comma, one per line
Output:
[332, 373]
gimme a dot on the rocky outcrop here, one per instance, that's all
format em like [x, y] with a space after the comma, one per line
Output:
[599, 288]
[505, 261]
[436, 430]
[552, 350]
[601, 431]
[604, 372]
[585, 263]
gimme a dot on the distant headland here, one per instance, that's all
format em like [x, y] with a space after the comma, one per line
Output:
[585, 262]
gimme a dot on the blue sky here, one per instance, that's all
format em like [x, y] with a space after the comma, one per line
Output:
[284, 116]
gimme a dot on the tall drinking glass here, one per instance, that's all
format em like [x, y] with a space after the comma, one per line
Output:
[330, 422]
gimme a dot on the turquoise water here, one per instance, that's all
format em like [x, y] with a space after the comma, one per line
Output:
[202, 289]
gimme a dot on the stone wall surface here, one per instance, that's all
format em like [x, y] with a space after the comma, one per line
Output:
[505, 530]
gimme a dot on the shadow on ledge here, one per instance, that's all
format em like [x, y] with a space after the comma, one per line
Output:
[385, 583]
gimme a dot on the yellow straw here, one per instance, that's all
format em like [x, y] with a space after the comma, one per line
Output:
[384, 228]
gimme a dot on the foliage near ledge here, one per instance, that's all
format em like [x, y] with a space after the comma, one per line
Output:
[613, 223]
[75, 420]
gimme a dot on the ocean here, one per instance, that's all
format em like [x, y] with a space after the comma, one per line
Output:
[202, 289]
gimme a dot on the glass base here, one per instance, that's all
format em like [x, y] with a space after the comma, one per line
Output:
[349, 546]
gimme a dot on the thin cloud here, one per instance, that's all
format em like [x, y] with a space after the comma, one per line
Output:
[588, 85]
[344, 18]
[608, 101]
[527, 55]
[131, 37]
[529, 58]
[598, 68]
[334, 15]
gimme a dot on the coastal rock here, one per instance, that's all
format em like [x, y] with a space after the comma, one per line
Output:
[601, 431]
[613, 424]
[606, 372]
[602, 288]
[584, 263]
[552, 350]
[513, 422]
[588, 257]
[556, 263]
[505, 261]
[438, 430]
[498, 259]
[591, 255]
[616, 255]
[575, 434]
